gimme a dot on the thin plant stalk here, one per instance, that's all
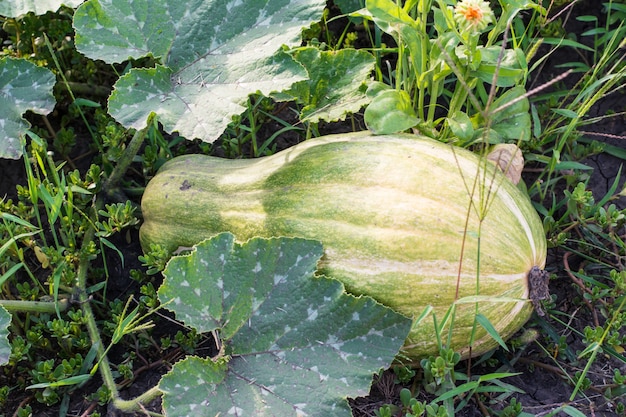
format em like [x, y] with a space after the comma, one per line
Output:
[71, 93]
[111, 185]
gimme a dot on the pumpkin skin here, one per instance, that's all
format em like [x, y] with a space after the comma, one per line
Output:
[391, 212]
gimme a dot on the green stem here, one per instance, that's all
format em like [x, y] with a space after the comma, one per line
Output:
[459, 97]
[422, 83]
[432, 104]
[90, 320]
[34, 306]
[421, 91]
[111, 186]
[129, 406]
[253, 127]
[398, 77]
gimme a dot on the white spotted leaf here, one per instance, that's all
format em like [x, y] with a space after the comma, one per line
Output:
[5, 347]
[294, 344]
[212, 54]
[23, 86]
[15, 8]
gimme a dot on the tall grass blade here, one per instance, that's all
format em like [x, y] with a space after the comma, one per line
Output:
[486, 324]
[10, 272]
[10, 217]
[14, 239]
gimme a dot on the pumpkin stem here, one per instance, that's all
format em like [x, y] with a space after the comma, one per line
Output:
[538, 288]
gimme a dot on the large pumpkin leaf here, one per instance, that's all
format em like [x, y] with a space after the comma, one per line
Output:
[15, 8]
[336, 85]
[213, 54]
[294, 344]
[23, 86]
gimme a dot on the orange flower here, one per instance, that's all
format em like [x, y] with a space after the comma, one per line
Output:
[473, 15]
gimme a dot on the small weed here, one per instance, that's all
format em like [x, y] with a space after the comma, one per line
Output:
[243, 138]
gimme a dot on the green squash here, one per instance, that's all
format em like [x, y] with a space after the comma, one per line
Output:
[394, 214]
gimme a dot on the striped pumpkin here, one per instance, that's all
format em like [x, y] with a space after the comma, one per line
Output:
[401, 217]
